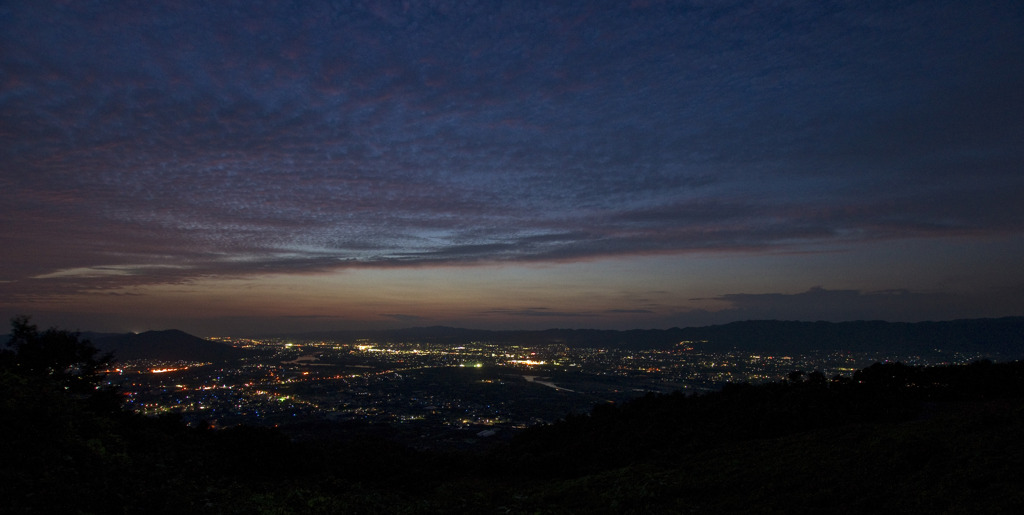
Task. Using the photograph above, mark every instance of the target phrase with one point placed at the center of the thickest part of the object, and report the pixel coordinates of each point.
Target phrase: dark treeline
(665, 428)
(891, 438)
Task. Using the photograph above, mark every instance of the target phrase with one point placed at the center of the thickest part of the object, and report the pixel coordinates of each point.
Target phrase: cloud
(402, 317)
(538, 312)
(223, 142)
(314, 317)
(105, 271)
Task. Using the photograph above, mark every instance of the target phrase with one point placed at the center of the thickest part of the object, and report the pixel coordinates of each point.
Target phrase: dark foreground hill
(169, 345)
(891, 439)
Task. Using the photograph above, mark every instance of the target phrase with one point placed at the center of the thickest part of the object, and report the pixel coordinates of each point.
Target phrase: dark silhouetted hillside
(893, 439)
(169, 345)
(890, 439)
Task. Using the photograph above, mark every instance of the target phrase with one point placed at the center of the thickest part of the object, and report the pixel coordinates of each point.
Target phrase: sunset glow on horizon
(243, 168)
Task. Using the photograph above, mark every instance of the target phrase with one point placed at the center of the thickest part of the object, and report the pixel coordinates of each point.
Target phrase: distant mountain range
(1003, 336)
(999, 335)
(169, 345)
(987, 336)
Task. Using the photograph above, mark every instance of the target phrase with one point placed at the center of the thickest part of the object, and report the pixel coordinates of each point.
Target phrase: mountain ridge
(164, 345)
(1003, 335)
(988, 336)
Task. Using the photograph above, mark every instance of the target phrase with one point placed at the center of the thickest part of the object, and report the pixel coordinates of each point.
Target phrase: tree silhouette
(57, 355)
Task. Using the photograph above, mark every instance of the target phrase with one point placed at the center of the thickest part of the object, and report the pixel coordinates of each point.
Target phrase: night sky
(243, 167)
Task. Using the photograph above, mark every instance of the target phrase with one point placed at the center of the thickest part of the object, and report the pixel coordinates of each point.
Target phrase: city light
(430, 385)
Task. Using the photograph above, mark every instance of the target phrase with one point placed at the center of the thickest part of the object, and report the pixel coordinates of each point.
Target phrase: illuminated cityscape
(439, 394)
